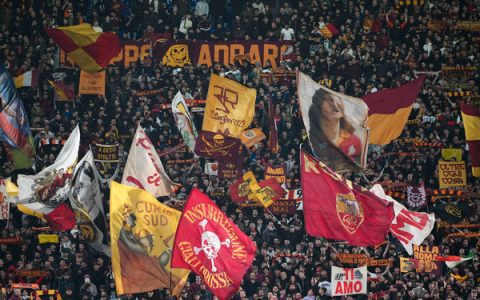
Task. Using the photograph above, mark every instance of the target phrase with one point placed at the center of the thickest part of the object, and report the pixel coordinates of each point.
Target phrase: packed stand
(289, 264)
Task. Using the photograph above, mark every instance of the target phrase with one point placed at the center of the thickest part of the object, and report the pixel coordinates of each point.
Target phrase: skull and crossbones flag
(211, 245)
(218, 147)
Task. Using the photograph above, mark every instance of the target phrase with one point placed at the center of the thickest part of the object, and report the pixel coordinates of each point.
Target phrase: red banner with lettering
(211, 245)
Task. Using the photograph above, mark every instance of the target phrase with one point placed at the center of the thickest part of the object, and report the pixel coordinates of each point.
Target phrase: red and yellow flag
(471, 123)
(91, 50)
(389, 109)
(211, 245)
(329, 30)
(63, 92)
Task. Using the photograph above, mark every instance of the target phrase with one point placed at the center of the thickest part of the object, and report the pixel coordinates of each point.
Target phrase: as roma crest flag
(217, 146)
(142, 233)
(230, 107)
(341, 210)
(211, 245)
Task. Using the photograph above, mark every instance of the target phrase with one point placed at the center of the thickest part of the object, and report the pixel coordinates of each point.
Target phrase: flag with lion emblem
(142, 233)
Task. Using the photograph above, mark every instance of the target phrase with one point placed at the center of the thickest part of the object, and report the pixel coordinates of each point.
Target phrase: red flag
(239, 190)
(273, 136)
(340, 210)
(61, 218)
(211, 245)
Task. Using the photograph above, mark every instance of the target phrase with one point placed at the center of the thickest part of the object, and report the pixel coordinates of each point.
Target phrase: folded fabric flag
(341, 210)
(452, 260)
(471, 122)
(63, 92)
(29, 78)
(90, 50)
(389, 109)
(329, 30)
(61, 218)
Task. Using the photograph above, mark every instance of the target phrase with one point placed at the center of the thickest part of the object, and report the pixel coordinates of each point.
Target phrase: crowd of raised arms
(407, 38)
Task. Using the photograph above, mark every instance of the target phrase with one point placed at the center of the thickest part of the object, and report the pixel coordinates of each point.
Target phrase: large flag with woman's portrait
(335, 125)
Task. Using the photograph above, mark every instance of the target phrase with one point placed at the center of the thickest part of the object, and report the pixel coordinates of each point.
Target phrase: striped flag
(62, 91)
(452, 260)
(471, 123)
(29, 78)
(91, 50)
(389, 109)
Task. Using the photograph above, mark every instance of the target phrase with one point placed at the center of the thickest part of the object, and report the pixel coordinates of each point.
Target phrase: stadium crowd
(359, 60)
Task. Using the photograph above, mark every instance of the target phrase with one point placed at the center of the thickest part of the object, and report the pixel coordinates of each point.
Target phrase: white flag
(349, 281)
(211, 168)
(86, 200)
(50, 187)
(184, 121)
(144, 168)
(409, 227)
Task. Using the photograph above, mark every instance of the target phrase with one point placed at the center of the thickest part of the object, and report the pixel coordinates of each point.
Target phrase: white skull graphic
(210, 244)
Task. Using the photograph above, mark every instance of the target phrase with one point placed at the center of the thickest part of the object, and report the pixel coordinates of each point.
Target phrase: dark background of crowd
(353, 62)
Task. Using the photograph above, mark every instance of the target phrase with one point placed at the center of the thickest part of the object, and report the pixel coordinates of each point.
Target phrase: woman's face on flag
(331, 108)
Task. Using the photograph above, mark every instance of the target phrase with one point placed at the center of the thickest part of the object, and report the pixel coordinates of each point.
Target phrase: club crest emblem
(349, 212)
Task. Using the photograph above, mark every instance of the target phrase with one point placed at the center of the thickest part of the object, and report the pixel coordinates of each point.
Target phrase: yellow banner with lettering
(452, 174)
(229, 108)
(142, 234)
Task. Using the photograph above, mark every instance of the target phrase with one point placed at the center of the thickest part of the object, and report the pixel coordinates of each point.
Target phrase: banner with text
(92, 83)
(349, 281)
(452, 174)
(181, 53)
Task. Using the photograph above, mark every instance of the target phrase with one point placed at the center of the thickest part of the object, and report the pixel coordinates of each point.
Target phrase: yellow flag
(48, 238)
(406, 265)
(449, 154)
(142, 234)
(229, 108)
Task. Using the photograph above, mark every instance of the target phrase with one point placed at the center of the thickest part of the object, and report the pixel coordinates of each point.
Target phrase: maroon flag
(276, 172)
(211, 245)
(273, 135)
(218, 146)
(61, 218)
(416, 196)
(341, 210)
(284, 207)
(229, 171)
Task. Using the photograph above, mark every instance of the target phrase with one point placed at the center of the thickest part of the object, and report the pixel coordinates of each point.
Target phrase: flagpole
(276, 219)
